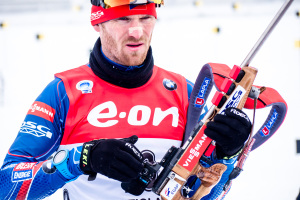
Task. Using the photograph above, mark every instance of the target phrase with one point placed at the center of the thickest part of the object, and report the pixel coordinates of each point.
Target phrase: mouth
(134, 46)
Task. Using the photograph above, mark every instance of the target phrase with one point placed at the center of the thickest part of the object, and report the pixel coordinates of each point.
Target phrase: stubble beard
(119, 55)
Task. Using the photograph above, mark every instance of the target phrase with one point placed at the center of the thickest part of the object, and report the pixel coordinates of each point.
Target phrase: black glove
(116, 159)
(230, 131)
(135, 187)
(138, 185)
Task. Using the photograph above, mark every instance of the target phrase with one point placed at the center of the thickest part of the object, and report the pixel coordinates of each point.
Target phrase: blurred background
(41, 37)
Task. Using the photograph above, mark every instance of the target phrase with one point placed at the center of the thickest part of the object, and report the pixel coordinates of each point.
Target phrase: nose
(135, 31)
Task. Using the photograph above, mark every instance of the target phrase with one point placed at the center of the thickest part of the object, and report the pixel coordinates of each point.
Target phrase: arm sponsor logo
(24, 166)
(22, 171)
(42, 110)
(35, 129)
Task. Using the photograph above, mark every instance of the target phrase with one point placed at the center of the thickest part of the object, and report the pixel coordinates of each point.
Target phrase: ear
(96, 27)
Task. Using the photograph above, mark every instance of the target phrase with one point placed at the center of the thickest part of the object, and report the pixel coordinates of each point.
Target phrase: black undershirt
(128, 79)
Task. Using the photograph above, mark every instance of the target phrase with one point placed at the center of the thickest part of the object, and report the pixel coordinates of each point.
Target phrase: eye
(124, 19)
(148, 17)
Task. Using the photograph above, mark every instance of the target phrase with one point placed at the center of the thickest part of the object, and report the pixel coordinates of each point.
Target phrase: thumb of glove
(129, 144)
(132, 139)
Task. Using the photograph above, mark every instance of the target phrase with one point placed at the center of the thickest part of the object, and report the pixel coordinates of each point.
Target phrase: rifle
(180, 170)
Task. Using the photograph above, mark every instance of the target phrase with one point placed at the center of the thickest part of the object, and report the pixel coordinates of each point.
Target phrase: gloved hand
(116, 159)
(135, 187)
(230, 131)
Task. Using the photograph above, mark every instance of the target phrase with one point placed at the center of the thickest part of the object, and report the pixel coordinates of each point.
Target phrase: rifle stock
(188, 163)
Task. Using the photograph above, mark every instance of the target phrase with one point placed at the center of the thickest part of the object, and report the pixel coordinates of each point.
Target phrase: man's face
(126, 40)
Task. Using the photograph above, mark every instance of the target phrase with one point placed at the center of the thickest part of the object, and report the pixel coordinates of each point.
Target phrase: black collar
(127, 79)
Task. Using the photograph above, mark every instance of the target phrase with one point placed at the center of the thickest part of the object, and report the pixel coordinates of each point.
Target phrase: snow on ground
(183, 42)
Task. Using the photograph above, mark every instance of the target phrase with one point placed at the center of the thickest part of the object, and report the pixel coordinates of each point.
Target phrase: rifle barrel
(266, 33)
